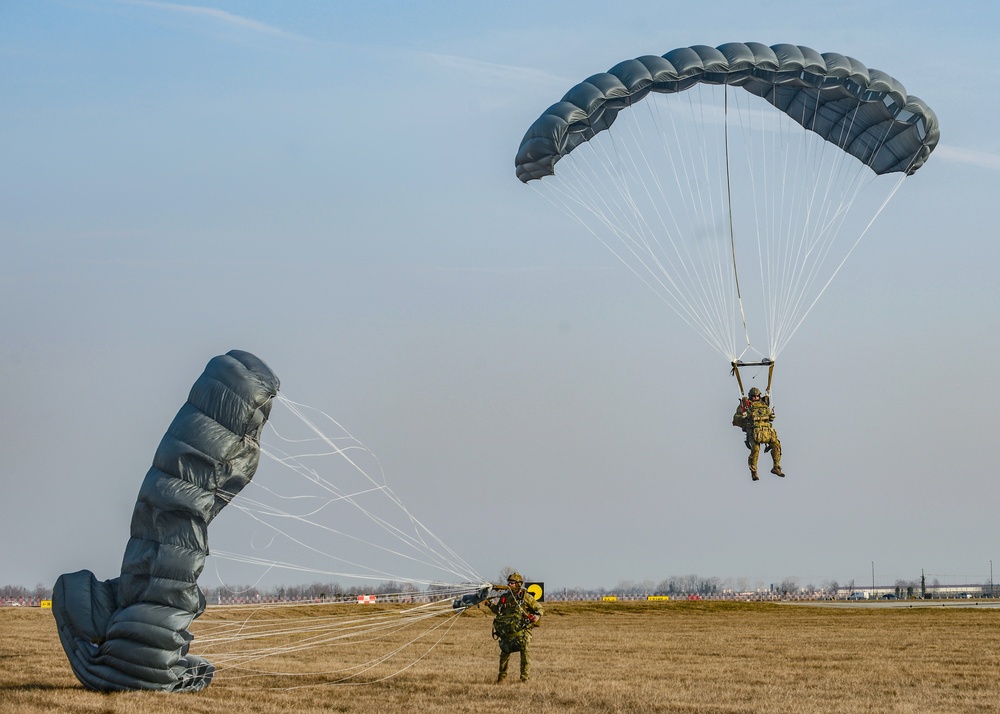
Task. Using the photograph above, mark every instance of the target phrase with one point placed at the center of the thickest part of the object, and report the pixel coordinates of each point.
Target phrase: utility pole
(873, 578)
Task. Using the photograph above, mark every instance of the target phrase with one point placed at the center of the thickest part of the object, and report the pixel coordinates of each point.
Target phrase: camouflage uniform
(754, 416)
(516, 612)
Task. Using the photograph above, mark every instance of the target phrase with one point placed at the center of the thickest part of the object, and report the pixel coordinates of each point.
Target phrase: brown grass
(593, 657)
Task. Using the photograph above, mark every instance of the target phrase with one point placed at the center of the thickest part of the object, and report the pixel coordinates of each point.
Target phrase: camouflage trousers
(508, 645)
(755, 452)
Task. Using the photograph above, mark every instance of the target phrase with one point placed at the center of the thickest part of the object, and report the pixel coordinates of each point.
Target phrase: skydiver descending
(754, 417)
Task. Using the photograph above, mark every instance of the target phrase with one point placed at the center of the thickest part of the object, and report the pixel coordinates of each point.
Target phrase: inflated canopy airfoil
(734, 181)
(865, 112)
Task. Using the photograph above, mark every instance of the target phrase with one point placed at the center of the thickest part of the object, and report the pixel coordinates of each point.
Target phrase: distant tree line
(313, 591)
(40, 591)
(673, 586)
(683, 585)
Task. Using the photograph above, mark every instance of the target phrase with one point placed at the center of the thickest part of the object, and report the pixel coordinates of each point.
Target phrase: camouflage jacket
(512, 610)
(755, 419)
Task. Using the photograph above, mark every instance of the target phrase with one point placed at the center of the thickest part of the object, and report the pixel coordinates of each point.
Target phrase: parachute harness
(517, 624)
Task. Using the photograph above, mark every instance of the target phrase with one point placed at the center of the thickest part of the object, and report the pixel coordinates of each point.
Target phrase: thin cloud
(506, 72)
(968, 156)
(220, 16)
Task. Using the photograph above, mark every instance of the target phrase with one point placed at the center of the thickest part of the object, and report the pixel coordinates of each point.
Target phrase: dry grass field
(690, 657)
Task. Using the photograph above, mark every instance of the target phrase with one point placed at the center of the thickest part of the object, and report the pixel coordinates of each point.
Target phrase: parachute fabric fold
(131, 632)
(865, 112)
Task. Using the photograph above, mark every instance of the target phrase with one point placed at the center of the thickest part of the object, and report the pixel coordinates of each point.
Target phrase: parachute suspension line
(764, 215)
(317, 630)
(846, 176)
(809, 187)
(701, 249)
(417, 538)
(565, 200)
(388, 641)
(422, 552)
(679, 259)
(840, 265)
(450, 622)
(701, 265)
(767, 206)
(638, 210)
(782, 267)
(363, 572)
(357, 625)
(659, 209)
(729, 202)
(785, 268)
(584, 195)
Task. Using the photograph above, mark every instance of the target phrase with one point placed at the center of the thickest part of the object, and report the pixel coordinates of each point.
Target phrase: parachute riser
(736, 364)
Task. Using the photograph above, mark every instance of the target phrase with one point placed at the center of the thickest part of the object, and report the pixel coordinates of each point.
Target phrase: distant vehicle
(890, 596)
(858, 596)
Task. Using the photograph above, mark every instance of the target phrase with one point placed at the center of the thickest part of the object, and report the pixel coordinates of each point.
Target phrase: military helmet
(515, 578)
(754, 393)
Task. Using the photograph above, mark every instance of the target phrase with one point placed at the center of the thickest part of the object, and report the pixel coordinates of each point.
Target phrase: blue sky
(330, 185)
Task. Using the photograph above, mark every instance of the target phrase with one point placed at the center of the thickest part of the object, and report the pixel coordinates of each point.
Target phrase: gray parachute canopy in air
(863, 111)
(131, 632)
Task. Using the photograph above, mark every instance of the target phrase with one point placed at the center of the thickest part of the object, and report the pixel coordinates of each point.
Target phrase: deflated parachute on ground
(131, 632)
(865, 112)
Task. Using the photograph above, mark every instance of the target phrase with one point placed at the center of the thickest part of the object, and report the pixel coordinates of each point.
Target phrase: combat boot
(777, 471)
(753, 475)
